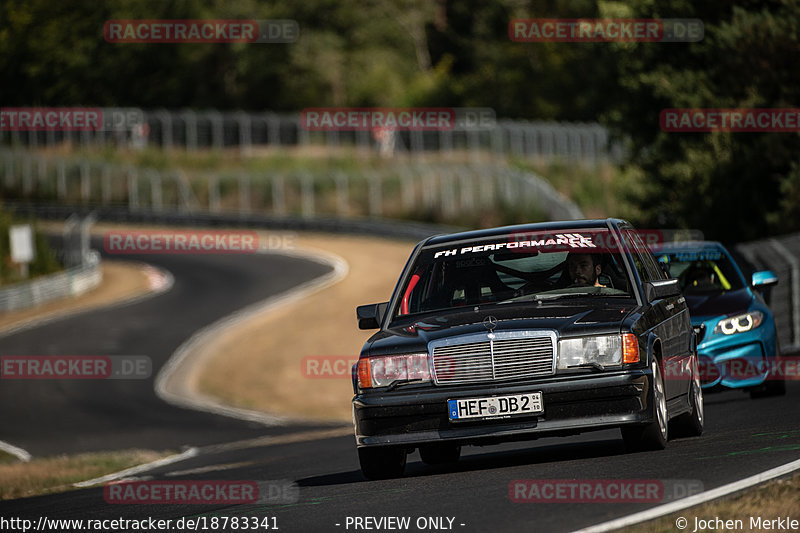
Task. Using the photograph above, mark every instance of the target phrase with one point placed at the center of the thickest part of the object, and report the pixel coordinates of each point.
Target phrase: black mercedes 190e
(521, 332)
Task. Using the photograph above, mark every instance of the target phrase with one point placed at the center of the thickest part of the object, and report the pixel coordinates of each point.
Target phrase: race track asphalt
(68, 416)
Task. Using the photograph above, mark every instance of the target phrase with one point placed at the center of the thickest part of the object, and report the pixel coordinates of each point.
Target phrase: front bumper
(741, 360)
(735, 361)
(572, 404)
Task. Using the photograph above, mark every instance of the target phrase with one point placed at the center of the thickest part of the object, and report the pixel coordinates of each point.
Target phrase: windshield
(702, 270)
(514, 269)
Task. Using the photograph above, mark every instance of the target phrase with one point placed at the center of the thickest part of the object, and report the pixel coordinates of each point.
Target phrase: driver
(584, 270)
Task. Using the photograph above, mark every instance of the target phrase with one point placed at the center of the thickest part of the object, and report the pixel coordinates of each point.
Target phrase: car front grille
(494, 357)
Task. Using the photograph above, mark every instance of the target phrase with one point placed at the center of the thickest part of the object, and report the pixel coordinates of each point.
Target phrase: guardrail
(70, 282)
(782, 256)
(574, 142)
(390, 190)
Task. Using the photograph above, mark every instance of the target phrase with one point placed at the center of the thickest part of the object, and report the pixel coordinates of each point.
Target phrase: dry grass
(775, 499)
(57, 474)
(258, 364)
(121, 280)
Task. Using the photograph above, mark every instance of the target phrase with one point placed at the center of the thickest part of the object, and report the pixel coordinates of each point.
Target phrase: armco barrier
(70, 282)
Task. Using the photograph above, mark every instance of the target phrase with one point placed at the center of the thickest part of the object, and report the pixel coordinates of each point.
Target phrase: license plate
(496, 406)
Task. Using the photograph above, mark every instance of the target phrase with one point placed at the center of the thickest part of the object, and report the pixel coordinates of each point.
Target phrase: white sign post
(22, 249)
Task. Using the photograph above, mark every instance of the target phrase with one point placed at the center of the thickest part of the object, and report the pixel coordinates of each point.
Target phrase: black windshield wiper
(544, 297)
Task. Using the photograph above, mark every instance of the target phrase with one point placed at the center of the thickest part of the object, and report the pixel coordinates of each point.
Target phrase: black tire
(652, 436)
(691, 424)
(439, 454)
(382, 463)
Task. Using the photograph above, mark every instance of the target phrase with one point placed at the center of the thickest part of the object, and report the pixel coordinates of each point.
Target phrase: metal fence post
(156, 194)
(213, 194)
(342, 193)
(61, 180)
(307, 194)
(106, 184)
(8, 179)
(165, 118)
(27, 175)
(190, 129)
(133, 189)
(375, 194)
(278, 195)
(245, 133)
(86, 184)
(42, 175)
(244, 193)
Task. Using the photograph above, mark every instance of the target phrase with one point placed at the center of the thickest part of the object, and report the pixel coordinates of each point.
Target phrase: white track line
(172, 383)
(691, 501)
(191, 452)
(17, 452)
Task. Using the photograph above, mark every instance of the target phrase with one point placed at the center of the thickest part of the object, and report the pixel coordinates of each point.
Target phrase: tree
(733, 186)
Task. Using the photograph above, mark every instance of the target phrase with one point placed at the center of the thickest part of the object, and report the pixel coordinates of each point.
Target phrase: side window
(657, 272)
(642, 257)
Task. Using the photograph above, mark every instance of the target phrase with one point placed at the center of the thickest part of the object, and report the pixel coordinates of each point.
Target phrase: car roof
(562, 225)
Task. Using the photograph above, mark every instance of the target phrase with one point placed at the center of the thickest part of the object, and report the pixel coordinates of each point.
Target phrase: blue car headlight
(739, 323)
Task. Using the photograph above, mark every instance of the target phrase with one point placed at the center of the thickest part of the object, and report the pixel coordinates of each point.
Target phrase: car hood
(718, 303)
(414, 335)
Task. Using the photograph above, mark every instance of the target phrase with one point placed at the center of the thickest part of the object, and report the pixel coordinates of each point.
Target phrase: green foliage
(733, 186)
(458, 53)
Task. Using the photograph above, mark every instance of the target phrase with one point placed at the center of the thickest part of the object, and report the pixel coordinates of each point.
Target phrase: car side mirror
(763, 278)
(655, 290)
(370, 316)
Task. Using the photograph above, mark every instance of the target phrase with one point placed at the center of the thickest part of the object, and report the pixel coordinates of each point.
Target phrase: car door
(672, 324)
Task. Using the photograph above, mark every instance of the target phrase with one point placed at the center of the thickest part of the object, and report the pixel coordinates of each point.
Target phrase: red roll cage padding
(407, 295)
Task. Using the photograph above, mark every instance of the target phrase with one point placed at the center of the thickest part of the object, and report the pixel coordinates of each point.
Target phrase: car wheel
(652, 436)
(439, 454)
(382, 463)
(691, 424)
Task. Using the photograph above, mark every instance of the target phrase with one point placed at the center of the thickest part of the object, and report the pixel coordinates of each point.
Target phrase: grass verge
(775, 499)
(259, 364)
(48, 475)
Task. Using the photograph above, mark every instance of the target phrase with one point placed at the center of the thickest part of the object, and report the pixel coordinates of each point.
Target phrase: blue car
(735, 330)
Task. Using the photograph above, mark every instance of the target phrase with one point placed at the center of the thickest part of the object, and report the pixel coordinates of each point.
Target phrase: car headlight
(739, 323)
(600, 351)
(382, 371)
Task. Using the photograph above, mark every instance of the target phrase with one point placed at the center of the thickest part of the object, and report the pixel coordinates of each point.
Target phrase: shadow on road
(487, 461)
